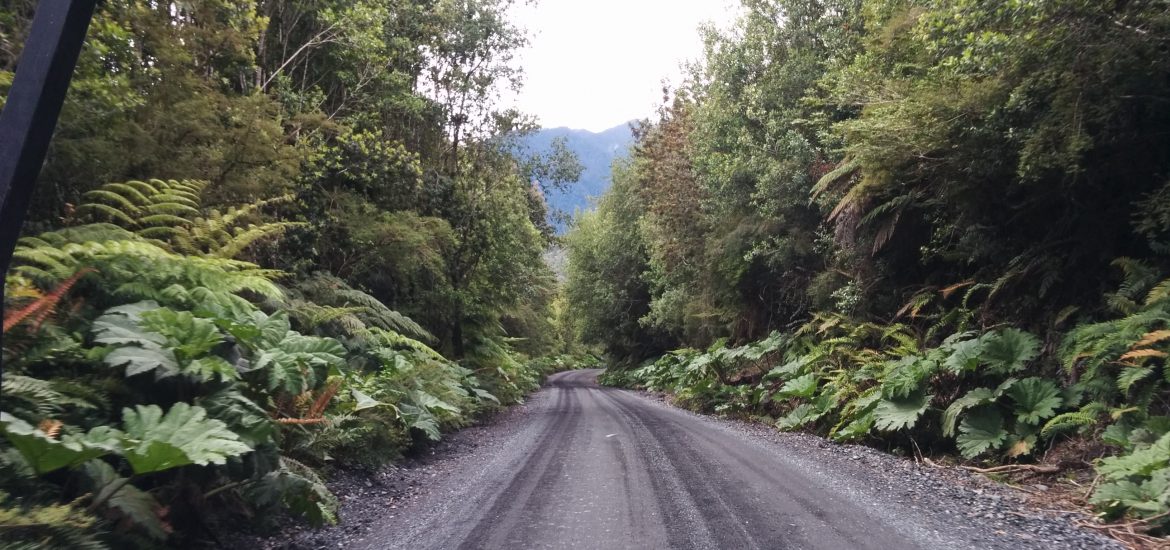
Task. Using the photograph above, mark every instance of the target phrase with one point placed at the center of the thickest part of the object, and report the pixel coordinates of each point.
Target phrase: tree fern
(323, 293)
(134, 268)
(41, 398)
(134, 204)
(171, 214)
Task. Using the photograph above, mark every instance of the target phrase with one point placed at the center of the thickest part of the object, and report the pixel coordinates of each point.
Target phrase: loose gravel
(986, 514)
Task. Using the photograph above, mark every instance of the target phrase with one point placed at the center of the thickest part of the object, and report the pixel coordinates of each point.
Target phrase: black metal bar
(32, 107)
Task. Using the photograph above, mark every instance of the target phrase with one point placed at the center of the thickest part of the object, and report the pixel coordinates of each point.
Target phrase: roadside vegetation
(272, 238)
(938, 226)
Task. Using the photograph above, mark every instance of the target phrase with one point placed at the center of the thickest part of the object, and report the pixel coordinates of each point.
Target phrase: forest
(939, 227)
(272, 238)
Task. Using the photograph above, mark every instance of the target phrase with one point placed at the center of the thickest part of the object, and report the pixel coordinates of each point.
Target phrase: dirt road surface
(596, 467)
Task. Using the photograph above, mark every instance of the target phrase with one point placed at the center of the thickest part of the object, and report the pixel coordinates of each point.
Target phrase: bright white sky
(595, 64)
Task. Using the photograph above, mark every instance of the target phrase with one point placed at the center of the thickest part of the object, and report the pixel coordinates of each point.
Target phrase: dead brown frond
(40, 309)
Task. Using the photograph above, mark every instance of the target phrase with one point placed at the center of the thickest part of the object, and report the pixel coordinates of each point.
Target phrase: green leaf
(259, 330)
(799, 416)
(297, 487)
(130, 502)
(156, 442)
(1067, 421)
(208, 368)
(907, 376)
(1009, 350)
(364, 401)
(1035, 399)
(421, 419)
(241, 415)
(186, 335)
(1132, 375)
(981, 431)
(162, 341)
(964, 356)
(119, 325)
(1141, 462)
(1147, 498)
(140, 360)
(485, 395)
(975, 397)
(902, 413)
(294, 364)
(859, 427)
(789, 369)
(432, 403)
(801, 386)
(45, 454)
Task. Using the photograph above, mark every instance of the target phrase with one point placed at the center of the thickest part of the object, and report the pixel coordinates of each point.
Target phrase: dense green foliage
(339, 262)
(935, 223)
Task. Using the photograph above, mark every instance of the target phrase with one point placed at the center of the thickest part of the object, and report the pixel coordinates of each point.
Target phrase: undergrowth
(149, 378)
(993, 395)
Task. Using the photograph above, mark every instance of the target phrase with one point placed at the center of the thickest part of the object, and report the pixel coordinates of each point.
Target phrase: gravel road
(583, 466)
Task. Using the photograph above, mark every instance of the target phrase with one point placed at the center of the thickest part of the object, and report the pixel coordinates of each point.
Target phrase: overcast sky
(595, 64)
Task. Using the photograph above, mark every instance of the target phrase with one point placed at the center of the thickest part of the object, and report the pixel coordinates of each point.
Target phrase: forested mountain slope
(935, 225)
(596, 152)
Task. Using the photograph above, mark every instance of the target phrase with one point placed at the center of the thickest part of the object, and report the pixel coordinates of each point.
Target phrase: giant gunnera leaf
(184, 435)
(1035, 399)
(1008, 350)
(149, 338)
(801, 386)
(981, 431)
(46, 454)
(900, 413)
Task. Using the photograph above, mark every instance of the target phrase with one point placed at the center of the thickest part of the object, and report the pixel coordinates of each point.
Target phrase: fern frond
(163, 219)
(171, 208)
(109, 212)
(116, 199)
(843, 170)
(251, 235)
(43, 307)
(1159, 292)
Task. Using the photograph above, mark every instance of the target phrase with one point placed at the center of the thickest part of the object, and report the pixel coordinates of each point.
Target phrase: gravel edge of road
(944, 492)
(369, 496)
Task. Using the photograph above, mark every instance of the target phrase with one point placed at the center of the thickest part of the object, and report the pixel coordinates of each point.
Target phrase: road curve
(596, 467)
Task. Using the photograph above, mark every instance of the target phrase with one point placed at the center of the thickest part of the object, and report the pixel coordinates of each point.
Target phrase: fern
(326, 291)
(299, 489)
(134, 268)
(133, 203)
(170, 213)
(34, 398)
(1067, 421)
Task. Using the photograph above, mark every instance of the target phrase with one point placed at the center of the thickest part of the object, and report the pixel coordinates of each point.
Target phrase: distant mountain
(595, 150)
